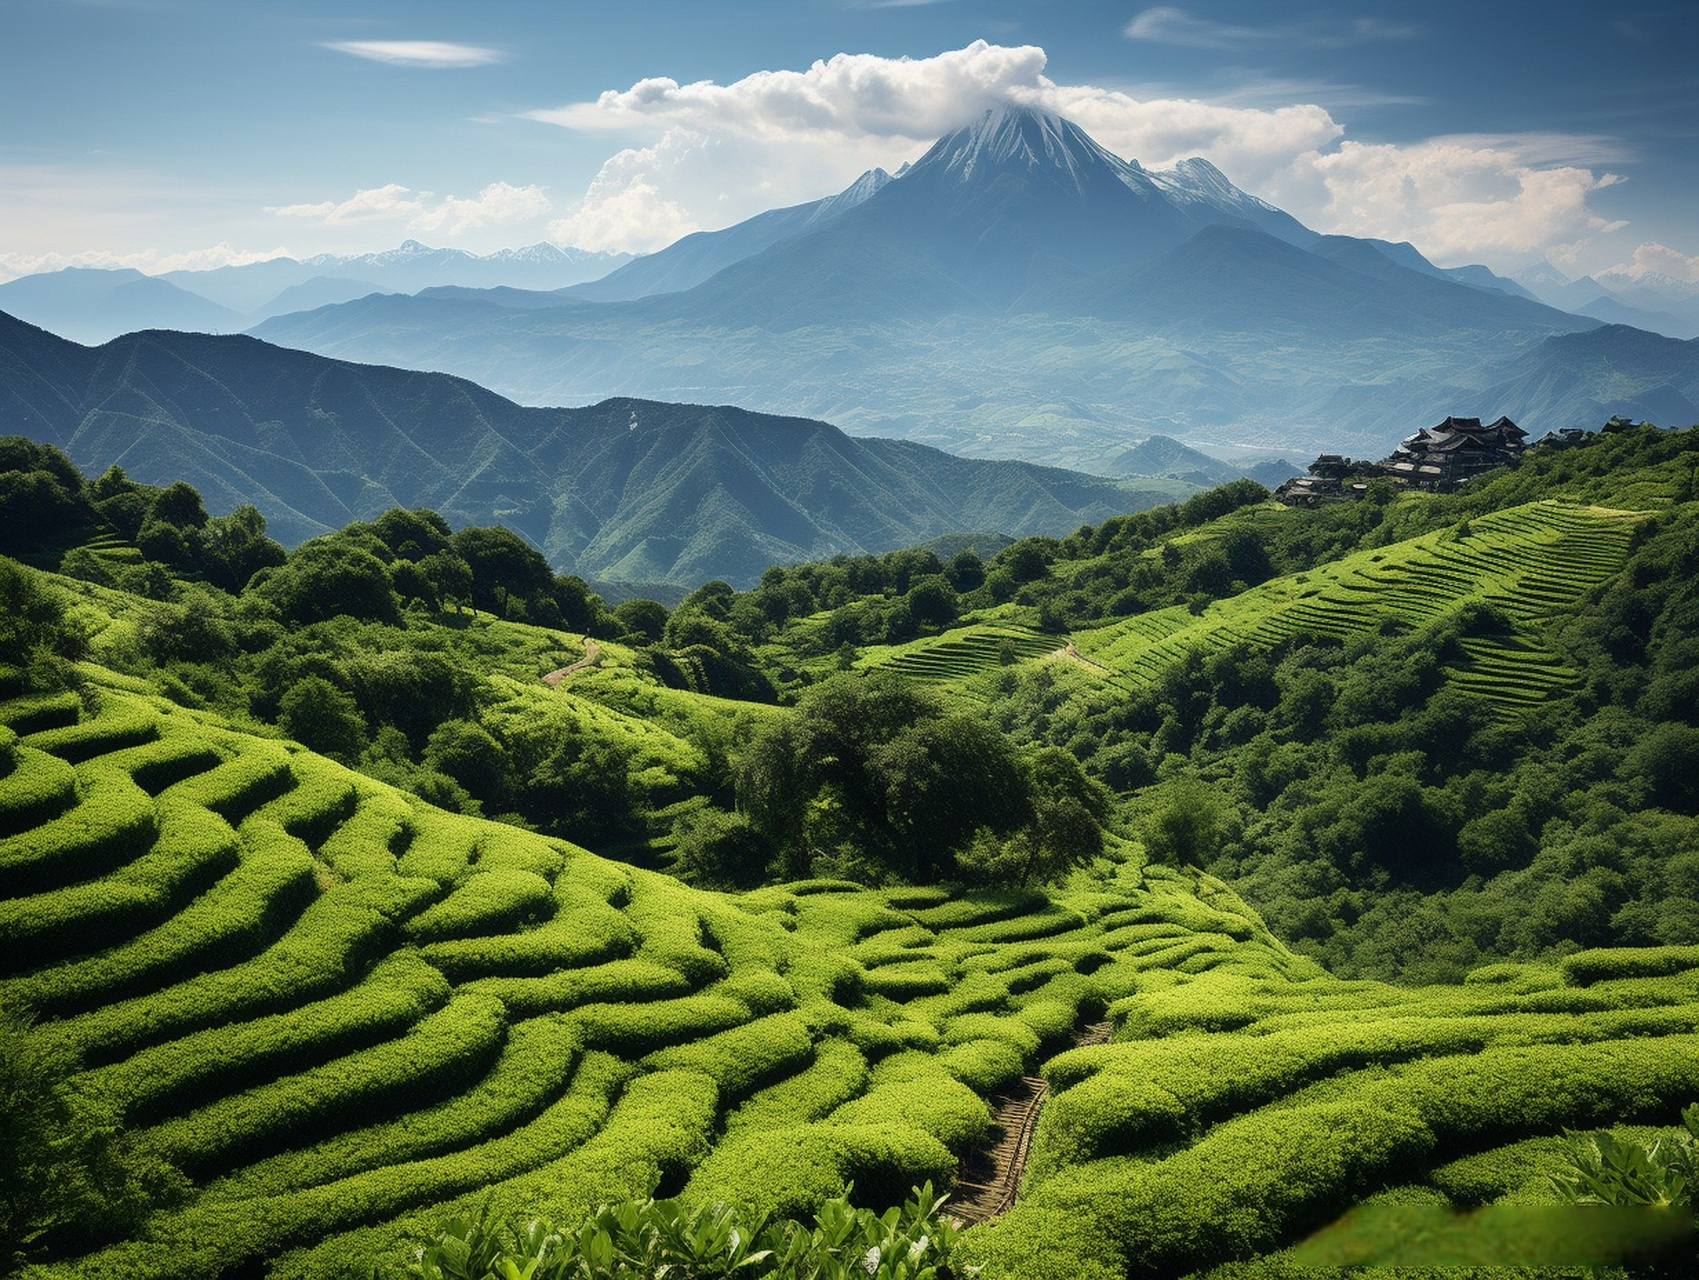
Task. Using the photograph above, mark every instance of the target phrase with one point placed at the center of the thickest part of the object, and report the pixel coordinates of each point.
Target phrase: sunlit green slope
(1533, 562)
(343, 1014)
(331, 1006)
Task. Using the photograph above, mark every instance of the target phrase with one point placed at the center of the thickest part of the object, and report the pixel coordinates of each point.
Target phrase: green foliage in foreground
(1604, 1169)
(644, 1239)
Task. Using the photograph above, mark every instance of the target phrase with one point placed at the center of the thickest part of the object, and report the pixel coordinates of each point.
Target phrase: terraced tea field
(345, 1015)
(1533, 562)
(965, 651)
(1236, 1112)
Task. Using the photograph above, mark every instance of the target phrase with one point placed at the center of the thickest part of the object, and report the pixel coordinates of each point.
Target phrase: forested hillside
(396, 880)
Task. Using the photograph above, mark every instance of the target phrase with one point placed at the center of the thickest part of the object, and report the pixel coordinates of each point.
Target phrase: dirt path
(592, 654)
(989, 1178)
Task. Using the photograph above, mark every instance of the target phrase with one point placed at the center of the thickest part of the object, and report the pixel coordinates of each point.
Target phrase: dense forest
(1224, 750)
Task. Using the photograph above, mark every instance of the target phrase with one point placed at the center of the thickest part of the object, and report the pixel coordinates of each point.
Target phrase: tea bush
(487, 902)
(229, 1057)
(602, 985)
(111, 823)
(442, 1054)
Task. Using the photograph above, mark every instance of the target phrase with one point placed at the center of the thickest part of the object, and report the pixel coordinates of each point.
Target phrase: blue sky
(161, 133)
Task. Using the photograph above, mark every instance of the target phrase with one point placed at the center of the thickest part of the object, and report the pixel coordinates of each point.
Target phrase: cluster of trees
(46, 505)
(874, 779)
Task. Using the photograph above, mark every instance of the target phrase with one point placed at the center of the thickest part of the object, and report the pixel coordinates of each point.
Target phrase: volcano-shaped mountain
(1018, 291)
(627, 489)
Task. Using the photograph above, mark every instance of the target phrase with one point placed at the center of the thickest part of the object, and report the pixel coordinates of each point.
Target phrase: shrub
(914, 1089)
(38, 787)
(1603, 1169)
(119, 724)
(238, 787)
(984, 1065)
(1587, 967)
(536, 1067)
(437, 1057)
(157, 1081)
(908, 981)
(633, 1029)
(656, 1238)
(194, 849)
(790, 1171)
(332, 938)
(614, 982)
(489, 902)
(742, 1059)
(226, 1228)
(112, 823)
(837, 1074)
(575, 940)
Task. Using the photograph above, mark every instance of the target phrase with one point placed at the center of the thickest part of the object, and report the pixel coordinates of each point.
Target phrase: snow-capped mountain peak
(1010, 136)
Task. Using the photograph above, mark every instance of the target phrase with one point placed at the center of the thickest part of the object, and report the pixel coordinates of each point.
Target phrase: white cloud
(1455, 202)
(418, 53)
(498, 202)
(714, 154)
(846, 96)
(389, 201)
(451, 215)
(1654, 259)
(1168, 25)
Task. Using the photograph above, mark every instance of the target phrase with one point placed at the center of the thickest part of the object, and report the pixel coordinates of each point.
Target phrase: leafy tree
(1065, 830)
(643, 619)
(1184, 827)
(322, 717)
(412, 690)
(966, 572)
(932, 602)
(413, 535)
(571, 784)
(873, 772)
(179, 505)
(194, 628)
(468, 753)
(35, 633)
(235, 547)
(328, 577)
(720, 850)
(504, 566)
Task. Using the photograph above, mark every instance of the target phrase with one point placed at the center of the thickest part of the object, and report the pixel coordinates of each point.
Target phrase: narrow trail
(592, 654)
(989, 1177)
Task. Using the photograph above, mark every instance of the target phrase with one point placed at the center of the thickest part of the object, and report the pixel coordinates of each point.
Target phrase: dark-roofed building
(1443, 457)
(1331, 477)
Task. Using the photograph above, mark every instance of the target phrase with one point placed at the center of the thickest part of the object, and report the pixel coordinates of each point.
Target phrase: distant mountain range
(1017, 292)
(94, 304)
(626, 490)
(1021, 292)
(1659, 304)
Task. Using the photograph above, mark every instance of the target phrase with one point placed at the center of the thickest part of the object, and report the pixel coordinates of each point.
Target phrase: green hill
(624, 490)
(292, 1017)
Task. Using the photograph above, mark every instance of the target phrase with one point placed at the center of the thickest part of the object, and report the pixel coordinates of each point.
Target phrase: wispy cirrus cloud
(450, 215)
(1169, 24)
(432, 54)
